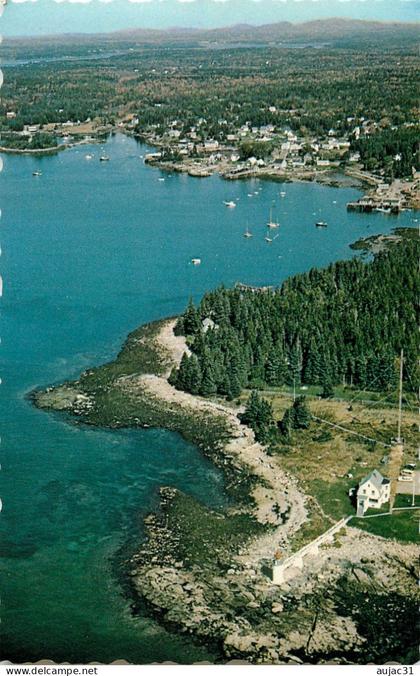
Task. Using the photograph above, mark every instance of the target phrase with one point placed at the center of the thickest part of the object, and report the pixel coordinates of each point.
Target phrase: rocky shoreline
(207, 573)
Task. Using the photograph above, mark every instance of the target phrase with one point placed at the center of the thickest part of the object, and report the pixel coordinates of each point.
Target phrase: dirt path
(277, 494)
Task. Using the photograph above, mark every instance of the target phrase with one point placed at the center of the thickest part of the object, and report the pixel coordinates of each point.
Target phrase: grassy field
(347, 394)
(329, 462)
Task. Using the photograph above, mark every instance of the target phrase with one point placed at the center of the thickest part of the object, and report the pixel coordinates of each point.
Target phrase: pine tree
(208, 384)
(258, 415)
(327, 390)
(286, 423)
(182, 374)
(301, 414)
(191, 320)
(194, 375)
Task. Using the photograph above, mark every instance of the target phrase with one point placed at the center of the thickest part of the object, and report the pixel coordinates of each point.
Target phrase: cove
(90, 251)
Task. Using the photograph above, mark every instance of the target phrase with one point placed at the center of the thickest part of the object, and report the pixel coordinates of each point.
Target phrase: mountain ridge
(320, 29)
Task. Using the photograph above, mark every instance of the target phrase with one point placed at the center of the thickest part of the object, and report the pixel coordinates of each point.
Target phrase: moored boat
(271, 223)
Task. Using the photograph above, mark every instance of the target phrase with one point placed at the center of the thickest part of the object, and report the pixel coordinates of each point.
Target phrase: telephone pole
(399, 439)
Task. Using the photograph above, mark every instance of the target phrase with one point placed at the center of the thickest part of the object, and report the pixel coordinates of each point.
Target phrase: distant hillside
(334, 32)
(326, 29)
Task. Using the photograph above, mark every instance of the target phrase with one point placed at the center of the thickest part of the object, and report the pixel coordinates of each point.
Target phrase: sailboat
(247, 234)
(271, 223)
(268, 239)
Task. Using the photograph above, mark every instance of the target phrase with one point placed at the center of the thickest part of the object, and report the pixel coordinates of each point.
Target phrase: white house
(373, 491)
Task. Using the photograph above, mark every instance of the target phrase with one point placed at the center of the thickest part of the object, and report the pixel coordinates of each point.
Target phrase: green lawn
(402, 526)
(384, 509)
(406, 500)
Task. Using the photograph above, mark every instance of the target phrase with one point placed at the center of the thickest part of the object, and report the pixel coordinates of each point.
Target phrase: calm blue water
(90, 251)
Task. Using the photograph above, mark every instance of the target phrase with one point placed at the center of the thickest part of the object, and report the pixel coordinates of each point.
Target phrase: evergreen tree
(208, 382)
(327, 390)
(191, 320)
(286, 423)
(258, 415)
(301, 413)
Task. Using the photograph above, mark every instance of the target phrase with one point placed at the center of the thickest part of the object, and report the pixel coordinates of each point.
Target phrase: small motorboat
(196, 261)
(37, 173)
(321, 224)
(104, 158)
(230, 205)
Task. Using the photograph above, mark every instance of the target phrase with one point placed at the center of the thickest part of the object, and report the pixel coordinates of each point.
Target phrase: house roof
(375, 478)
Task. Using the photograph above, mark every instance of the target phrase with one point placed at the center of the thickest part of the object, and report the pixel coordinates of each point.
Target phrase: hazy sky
(37, 17)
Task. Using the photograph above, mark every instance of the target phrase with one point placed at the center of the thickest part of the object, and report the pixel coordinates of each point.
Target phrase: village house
(323, 163)
(373, 492)
(31, 128)
(211, 145)
(10, 115)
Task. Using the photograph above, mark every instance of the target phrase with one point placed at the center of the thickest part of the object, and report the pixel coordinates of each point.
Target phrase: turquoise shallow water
(90, 251)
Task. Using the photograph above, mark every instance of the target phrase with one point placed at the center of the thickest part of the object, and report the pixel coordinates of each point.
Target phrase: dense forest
(396, 150)
(311, 90)
(347, 322)
(38, 140)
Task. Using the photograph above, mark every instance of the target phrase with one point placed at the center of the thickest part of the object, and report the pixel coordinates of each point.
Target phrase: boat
(104, 158)
(196, 261)
(271, 223)
(247, 234)
(88, 157)
(321, 224)
(37, 173)
(161, 179)
(382, 210)
(230, 205)
(282, 194)
(269, 239)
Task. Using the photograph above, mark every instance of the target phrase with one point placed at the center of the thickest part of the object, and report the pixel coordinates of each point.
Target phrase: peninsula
(290, 464)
